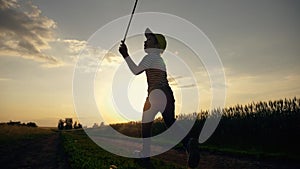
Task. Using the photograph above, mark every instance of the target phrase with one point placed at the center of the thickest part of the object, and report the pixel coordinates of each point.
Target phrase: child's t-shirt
(155, 68)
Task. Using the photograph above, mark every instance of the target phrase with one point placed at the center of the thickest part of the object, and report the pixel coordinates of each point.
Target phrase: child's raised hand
(123, 50)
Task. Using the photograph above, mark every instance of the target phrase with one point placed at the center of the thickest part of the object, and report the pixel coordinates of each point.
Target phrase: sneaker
(194, 154)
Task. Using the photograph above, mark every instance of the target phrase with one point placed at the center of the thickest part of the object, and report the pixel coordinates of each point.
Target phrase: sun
(137, 92)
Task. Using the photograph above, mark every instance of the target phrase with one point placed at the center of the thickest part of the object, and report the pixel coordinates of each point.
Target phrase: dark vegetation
(83, 153)
(30, 147)
(18, 123)
(67, 124)
(261, 129)
(12, 136)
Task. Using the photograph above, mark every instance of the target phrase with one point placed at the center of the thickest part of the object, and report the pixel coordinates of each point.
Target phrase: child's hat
(161, 40)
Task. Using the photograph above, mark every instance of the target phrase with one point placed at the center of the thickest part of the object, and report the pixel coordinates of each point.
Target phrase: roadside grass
(83, 153)
(10, 134)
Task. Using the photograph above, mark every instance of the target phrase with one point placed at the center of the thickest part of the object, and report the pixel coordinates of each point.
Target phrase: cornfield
(272, 126)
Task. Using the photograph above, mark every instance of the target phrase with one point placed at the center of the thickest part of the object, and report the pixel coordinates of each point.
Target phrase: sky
(40, 42)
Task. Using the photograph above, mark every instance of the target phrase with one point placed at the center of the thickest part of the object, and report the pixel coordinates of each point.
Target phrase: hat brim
(148, 33)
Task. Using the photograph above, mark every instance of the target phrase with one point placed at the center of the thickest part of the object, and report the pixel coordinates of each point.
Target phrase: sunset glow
(40, 42)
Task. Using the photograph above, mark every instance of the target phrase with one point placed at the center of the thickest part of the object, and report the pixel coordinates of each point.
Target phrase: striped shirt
(155, 69)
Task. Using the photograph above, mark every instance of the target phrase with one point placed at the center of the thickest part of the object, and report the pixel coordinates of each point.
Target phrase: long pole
(123, 41)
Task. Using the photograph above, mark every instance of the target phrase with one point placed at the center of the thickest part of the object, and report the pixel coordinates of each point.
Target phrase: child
(160, 95)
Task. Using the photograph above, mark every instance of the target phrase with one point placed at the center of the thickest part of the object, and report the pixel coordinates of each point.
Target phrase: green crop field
(83, 153)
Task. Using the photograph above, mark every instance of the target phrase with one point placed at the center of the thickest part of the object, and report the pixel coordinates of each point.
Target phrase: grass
(83, 153)
(9, 134)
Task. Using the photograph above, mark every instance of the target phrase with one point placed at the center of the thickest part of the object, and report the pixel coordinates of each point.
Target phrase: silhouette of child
(160, 95)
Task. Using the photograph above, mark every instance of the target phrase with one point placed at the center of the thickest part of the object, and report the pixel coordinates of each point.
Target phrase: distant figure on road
(160, 95)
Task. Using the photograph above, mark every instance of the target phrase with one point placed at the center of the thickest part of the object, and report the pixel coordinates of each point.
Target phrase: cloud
(74, 46)
(181, 82)
(69, 49)
(90, 59)
(172, 80)
(111, 58)
(26, 33)
(8, 4)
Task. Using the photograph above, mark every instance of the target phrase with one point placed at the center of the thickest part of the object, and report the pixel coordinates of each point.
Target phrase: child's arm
(132, 66)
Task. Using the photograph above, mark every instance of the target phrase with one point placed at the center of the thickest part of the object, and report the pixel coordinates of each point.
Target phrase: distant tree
(69, 123)
(14, 123)
(31, 124)
(79, 126)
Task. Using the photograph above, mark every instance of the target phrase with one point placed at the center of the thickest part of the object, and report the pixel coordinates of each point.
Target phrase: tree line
(18, 123)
